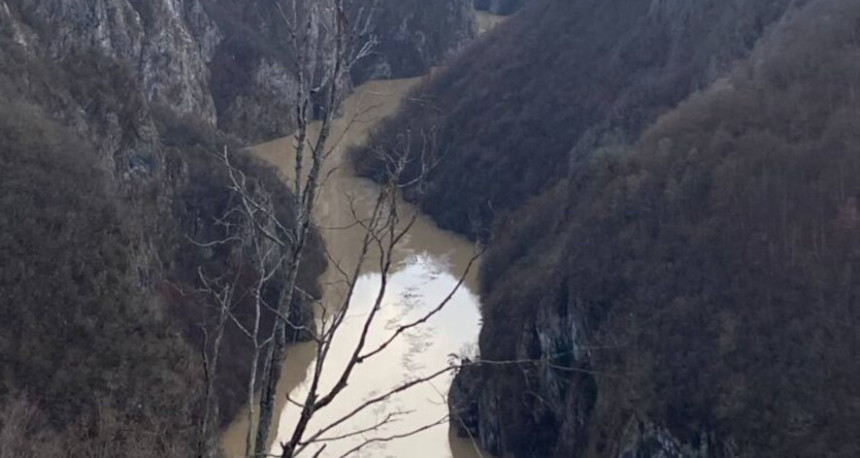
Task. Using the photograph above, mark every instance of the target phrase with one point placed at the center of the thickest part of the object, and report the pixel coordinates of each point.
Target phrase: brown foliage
(556, 80)
(202, 211)
(714, 262)
(78, 336)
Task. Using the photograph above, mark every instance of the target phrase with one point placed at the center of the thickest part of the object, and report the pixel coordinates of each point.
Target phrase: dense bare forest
(562, 76)
(81, 345)
(668, 193)
(735, 216)
(110, 116)
(672, 230)
(500, 6)
(98, 342)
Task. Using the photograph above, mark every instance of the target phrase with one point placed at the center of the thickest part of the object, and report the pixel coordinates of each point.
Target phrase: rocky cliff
(409, 39)
(226, 62)
(252, 80)
(671, 271)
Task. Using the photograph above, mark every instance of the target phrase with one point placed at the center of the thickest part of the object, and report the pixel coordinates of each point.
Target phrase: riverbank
(488, 21)
(428, 265)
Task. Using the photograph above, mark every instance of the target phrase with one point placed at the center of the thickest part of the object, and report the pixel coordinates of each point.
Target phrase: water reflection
(420, 282)
(427, 267)
(488, 22)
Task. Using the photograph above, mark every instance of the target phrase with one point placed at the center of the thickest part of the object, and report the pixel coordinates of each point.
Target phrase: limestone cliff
(408, 37)
(227, 62)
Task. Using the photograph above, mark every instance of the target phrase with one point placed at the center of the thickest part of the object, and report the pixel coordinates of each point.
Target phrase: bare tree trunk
(276, 356)
(255, 339)
(305, 194)
(382, 231)
(205, 448)
(252, 384)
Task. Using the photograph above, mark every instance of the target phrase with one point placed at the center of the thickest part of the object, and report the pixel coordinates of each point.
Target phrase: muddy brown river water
(428, 266)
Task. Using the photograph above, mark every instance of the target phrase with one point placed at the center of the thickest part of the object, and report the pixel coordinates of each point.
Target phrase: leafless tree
(327, 38)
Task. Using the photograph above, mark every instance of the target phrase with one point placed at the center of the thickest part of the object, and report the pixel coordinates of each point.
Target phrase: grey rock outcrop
(643, 439)
(167, 45)
(224, 62)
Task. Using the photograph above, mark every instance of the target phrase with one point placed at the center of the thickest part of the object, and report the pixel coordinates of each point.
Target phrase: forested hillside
(81, 344)
(726, 242)
(102, 325)
(559, 76)
(111, 115)
(673, 194)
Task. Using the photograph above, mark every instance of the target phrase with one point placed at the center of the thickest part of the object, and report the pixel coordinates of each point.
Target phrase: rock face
(166, 44)
(228, 62)
(409, 41)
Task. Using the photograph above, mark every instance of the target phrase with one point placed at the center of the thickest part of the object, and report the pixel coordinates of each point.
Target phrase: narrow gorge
(632, 228)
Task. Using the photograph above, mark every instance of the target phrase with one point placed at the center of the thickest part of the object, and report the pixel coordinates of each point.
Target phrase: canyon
(666, 192)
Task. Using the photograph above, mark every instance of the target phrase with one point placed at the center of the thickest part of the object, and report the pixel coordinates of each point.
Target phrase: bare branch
(393, 437)
(389, 419)
(401, 329)
(378, 399)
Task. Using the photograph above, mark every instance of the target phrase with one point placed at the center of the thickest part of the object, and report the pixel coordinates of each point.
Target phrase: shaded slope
(79, 339)
(101, 332)
(561, 74)
(696, 289)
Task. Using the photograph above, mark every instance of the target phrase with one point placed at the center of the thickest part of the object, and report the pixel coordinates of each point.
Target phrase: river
(488, 21)
(429, 263)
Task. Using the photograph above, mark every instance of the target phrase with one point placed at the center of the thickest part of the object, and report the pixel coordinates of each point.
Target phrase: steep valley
(665, 193)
